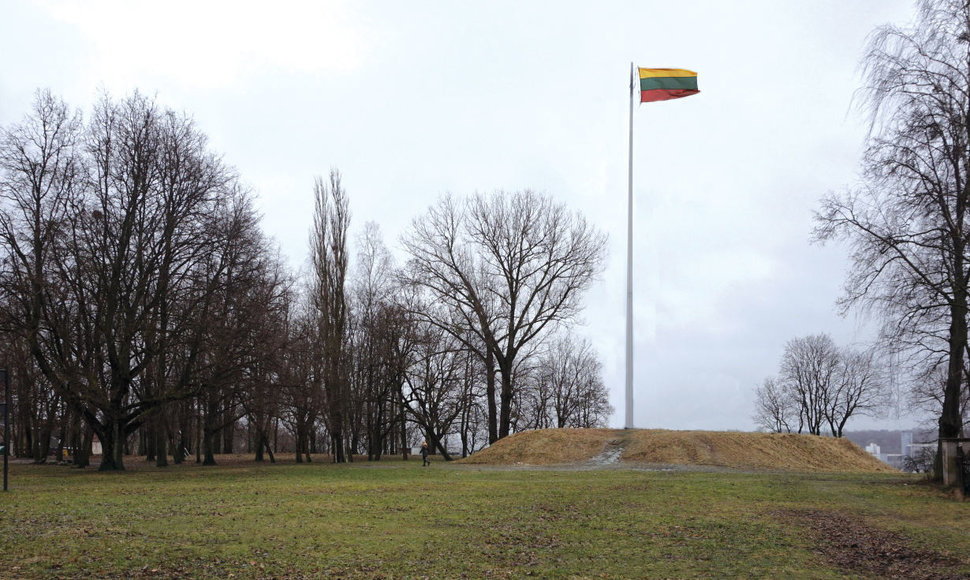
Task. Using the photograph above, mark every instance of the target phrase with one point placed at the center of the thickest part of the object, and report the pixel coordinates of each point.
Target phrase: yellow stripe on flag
(646, 73)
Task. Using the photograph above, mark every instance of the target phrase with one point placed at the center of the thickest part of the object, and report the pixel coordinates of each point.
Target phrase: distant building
(916, 456)
(903, 450)
(905, 441)
(893, 459)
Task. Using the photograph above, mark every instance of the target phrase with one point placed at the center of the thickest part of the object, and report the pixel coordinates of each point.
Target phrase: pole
(629, 269)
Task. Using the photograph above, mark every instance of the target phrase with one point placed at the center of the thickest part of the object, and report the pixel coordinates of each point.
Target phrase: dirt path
(611, 453)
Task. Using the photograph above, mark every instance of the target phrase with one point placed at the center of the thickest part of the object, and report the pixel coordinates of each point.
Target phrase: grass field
(397, 519)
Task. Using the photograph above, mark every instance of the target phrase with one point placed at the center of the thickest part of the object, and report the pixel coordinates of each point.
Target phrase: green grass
(395, 519)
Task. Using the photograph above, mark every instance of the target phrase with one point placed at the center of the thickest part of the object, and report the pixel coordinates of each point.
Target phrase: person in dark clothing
(424, 454)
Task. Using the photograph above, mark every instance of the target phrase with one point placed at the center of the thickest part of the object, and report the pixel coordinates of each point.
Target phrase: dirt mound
(544, 447)
(771, 451)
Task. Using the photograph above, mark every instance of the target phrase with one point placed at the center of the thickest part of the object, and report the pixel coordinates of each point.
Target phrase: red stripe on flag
(654, 95)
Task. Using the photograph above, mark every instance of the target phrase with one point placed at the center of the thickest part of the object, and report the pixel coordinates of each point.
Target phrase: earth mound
(733, 450)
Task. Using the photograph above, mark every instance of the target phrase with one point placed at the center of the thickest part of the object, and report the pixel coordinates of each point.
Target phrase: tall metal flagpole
(629, 269)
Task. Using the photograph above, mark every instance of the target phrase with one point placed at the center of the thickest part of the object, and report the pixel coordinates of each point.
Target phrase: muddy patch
(852, 545)
(610, 455)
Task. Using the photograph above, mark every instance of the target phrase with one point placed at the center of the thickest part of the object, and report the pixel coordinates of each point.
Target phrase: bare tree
(776, 411)
(579, 394)
(820, 384)
(860, 389)
(908, 222)
(40, 171)
(921, 461)
(926, 395)
(328, 254)
(302, 399)
(809, 370)
(473, 420)
(379, 327)
(118, 232)
(265, 300)
(435, 384)
(566, 386)
(241, 334)
(136, 290)
(511, 266)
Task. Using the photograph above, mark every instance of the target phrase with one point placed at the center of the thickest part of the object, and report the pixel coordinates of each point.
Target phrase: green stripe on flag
(654, 83)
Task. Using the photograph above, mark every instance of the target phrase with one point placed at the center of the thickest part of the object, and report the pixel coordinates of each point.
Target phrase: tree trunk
(113, 447)
(82, 453)
(161, 441)
(181, 450)
(505, 412)
(951, 423)
(210, 438)
(493, 435)
(269, 450)
(228, 436)
(463, 427)
(405, 448)
(437, 445)
(337, 448)
(300, 440)
(262, 442)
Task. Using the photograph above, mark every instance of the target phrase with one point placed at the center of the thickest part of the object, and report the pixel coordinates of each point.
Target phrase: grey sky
(414, 99)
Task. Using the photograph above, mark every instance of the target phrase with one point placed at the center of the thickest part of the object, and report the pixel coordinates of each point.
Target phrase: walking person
(424, 454)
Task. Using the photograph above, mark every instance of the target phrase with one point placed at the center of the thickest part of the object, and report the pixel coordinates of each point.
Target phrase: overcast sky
(410, 100)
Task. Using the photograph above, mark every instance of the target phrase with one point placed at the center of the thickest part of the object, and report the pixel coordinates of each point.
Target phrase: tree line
(906, 224)
(819, 387)
(142, 305)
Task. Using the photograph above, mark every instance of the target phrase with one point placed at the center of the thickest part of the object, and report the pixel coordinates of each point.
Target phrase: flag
(661, 84)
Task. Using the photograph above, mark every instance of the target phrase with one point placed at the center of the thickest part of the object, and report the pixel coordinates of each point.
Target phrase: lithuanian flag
(661, 84)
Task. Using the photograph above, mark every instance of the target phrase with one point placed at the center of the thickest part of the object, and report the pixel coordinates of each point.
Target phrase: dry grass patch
(759, 451)
(777, 451)
(545, 447)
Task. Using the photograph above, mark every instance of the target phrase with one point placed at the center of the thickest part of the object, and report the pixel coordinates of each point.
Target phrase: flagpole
(629, 269)
(658, 84)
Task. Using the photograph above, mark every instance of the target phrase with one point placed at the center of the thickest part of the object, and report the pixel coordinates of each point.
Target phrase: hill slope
(772, 451)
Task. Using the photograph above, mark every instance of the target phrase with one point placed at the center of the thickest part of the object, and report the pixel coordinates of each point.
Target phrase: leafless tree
(301, 397)
(820, 384)
(40, 174)
(241, 334)
(267, 301)
(534, 403)
(119, 236)
(566, 386)
(776, 411)
(860, 389)
(328, 254)
(809, 370)
(473, 419)
(907, 223)
(511, 266)
(926, 395)
(921, 461)
(435, 385)
(379, 326)
(579, 395)
(39, 418)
